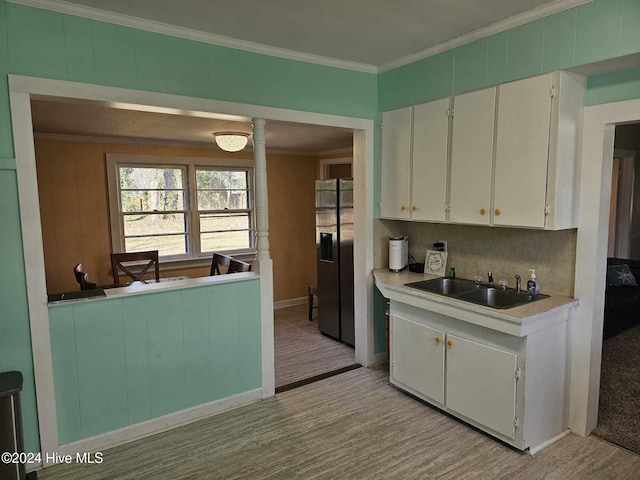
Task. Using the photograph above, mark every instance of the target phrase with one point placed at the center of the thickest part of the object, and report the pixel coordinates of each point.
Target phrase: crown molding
(501, 26)
(61, 6)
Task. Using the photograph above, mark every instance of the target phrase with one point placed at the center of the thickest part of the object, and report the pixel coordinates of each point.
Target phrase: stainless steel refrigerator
(334, 240)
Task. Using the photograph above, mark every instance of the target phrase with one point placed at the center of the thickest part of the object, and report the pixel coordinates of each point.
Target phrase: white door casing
(21, 88)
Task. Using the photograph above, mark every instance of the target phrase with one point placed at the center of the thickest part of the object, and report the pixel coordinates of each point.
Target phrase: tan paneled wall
(291, 186)
(72, 186)
(477, 250)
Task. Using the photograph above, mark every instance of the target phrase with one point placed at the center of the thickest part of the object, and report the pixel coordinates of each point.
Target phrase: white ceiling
(371, 32)
(96, 119)
(368, 35)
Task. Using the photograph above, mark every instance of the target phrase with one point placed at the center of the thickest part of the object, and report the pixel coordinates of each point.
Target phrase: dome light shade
(231, 141)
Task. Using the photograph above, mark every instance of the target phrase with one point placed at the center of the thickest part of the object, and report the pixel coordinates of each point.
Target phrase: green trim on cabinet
(379, 322)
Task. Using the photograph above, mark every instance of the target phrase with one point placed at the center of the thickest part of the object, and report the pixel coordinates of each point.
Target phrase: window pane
(147, 178)
(210, 242)
(149, 201)
(220, 179)
(154, 224)
(166, 244)
(229, 199)
(210, 222)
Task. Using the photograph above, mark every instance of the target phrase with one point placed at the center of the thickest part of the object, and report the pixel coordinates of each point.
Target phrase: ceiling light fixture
(231, 141)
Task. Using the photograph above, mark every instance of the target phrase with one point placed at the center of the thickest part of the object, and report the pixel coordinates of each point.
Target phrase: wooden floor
(350, 426)
(301, 351)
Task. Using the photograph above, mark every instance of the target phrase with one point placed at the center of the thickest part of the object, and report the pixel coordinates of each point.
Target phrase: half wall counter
(146, 357)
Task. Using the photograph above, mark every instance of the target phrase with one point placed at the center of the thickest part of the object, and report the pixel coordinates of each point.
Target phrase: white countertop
(145, 288)
(519, 321)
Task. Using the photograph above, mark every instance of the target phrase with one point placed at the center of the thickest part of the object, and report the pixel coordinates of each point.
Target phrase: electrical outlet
(445, 244)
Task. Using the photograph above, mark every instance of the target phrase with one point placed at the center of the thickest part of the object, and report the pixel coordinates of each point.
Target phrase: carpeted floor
(619, 411)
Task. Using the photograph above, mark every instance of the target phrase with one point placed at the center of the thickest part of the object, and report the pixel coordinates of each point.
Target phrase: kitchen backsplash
(476, 250)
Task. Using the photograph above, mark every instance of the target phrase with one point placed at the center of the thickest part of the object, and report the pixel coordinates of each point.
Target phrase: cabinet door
(481, 384)
(417, 357)
(395, 164)
(522, 149)
(472, 157)
(429, 161)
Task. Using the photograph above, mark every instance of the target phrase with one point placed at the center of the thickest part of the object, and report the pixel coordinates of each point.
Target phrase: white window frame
(190, 164)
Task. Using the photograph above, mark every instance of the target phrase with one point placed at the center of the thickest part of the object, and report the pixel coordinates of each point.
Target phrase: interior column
(264, 264)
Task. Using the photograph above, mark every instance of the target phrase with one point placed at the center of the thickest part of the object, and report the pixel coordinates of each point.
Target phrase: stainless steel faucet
(490, 275)
(518, 283)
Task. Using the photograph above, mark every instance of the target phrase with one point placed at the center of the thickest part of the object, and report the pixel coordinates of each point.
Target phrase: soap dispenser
(532, 283)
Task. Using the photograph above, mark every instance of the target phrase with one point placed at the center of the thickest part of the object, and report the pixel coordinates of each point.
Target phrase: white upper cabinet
(472, 157)
(514, 156)
(429, 168)
(396, 164)
(537, 152)
(414, 162)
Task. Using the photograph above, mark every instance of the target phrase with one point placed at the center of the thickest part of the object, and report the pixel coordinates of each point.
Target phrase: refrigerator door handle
(326, 247)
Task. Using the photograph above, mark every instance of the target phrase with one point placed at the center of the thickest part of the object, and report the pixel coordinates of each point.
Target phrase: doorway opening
(619, 410)
(313, 339)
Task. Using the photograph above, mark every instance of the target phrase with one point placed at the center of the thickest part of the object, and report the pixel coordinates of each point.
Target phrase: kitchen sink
(444, 286)
(468, 291)
(497, 298)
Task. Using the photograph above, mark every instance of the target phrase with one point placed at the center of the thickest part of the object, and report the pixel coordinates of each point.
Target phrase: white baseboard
(290, 303)
(157, 425)
(537, 448)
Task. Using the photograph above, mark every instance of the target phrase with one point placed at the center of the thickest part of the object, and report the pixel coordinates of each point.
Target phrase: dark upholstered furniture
(621, 302)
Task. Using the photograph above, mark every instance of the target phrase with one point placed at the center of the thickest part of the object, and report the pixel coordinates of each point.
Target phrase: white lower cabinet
(488, 377)
(418, 357)
(484, 376)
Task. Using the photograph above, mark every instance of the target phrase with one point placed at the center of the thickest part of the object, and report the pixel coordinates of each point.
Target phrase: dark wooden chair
(83, 278)
(219, 260)
(120, 261)
(237, 266)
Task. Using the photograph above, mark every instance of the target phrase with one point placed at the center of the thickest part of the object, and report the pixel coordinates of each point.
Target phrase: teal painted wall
(614, 87)
(15, 337)
(118, 362)
(595, 31)
(46, 44)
